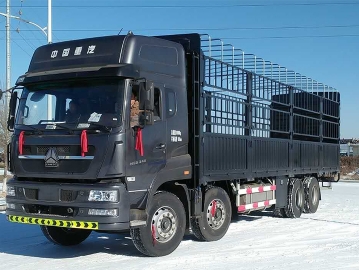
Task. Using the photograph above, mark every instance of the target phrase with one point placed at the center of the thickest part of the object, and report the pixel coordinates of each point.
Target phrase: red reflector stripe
(84, 146)
(255, 205)
(259, 189)
(139, 142)
(21, 142)
(241, 208)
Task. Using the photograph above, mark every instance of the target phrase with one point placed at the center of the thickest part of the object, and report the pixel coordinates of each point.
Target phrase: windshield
(76, 104)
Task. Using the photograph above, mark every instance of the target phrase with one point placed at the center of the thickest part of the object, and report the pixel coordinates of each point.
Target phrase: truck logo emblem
(51, 158)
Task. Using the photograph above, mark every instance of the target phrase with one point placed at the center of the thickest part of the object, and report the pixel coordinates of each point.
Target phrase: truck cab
(74, 154)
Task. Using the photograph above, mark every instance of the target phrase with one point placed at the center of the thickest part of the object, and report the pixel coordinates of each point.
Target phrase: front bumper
(66, 205)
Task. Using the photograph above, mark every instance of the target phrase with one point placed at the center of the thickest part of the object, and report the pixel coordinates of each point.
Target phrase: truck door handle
(161, 146)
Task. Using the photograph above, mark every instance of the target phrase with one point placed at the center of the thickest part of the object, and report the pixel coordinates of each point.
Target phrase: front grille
(68, 195)
(31, 194)
(61, 150)
(60, 211)
(26, 150)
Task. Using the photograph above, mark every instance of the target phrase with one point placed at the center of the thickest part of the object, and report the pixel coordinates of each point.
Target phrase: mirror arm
(140, 80)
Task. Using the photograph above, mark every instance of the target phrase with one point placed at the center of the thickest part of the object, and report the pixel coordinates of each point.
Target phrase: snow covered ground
(328, 239)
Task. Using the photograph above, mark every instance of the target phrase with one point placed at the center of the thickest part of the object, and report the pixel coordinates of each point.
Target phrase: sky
(317, 38)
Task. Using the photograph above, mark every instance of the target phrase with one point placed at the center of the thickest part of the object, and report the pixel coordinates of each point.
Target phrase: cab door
(144, 167)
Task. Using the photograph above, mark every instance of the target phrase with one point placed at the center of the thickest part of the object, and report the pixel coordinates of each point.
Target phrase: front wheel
(65, 236)
(165, 228)
(216, 217)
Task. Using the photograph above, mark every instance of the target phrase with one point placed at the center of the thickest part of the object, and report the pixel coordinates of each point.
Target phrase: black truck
(213, 139)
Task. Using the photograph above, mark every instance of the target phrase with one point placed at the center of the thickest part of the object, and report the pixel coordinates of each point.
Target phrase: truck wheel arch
(175, 187)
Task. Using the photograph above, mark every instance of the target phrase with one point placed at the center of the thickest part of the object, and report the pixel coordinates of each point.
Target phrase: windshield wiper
(104, 127)
(39, 131)
(71, 131)
(56, 124)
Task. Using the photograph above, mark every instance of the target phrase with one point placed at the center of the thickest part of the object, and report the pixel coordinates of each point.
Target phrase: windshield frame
(119, 84)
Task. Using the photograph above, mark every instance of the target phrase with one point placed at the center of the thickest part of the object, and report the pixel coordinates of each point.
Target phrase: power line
(27, 41)
(18, 28)
(209, 29)
(21, 47)
(33, 34)
(198, 6)
(272, 37)
(43, 23)
(293, 37)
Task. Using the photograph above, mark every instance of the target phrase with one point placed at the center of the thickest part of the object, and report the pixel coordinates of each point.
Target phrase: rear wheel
(312, 195)
(65, 236)
(295, 201)
(165, 228)
(216, 216)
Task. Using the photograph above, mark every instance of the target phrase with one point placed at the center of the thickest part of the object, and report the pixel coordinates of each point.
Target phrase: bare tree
(5, 136)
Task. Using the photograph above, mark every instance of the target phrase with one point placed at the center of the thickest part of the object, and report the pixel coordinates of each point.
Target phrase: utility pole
(49, 21)
(7, 27)
(8, 84)
(49, 40)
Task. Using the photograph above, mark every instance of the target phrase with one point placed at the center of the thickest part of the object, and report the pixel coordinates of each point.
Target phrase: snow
(328, 239)
(2, 200)
(2, 172)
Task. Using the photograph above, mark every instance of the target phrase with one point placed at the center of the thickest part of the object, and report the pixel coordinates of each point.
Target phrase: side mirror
(1, 94)
(146, 96)
(146, 118)
(12, 112)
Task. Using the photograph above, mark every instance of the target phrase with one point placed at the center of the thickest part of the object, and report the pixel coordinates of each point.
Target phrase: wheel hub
(164, 224)
(299, 198)
(216, 214)
(315, 195)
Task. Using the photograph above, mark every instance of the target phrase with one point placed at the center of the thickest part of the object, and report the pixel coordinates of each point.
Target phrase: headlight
(103, 212)
(103, 196)
(10, 191)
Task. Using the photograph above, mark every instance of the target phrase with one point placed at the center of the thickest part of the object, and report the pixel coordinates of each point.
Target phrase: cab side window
(158, 105)
(171, 103)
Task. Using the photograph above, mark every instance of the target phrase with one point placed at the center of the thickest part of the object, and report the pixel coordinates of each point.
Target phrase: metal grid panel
(246, 95)
(216, 48)
(224, 113)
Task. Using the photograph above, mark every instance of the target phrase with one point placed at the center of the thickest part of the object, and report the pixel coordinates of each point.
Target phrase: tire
(165, 227)
(295, 201)
(216, 217)
(65, 236)
(312, 195)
